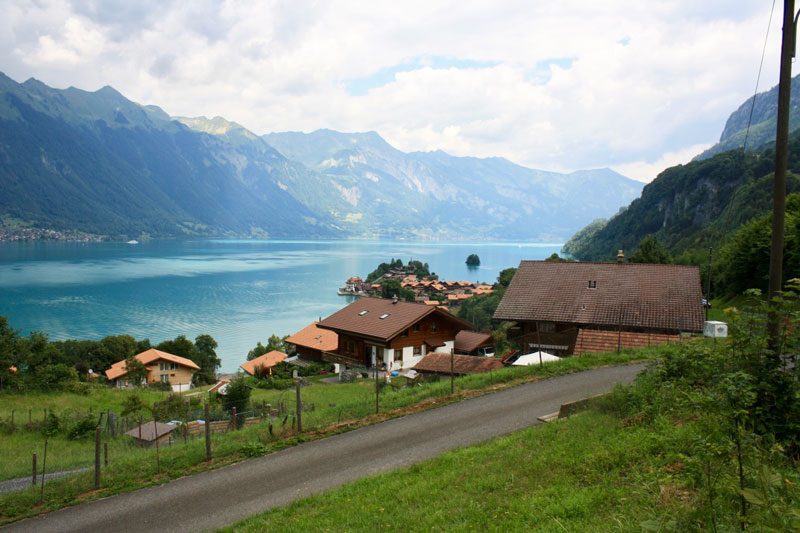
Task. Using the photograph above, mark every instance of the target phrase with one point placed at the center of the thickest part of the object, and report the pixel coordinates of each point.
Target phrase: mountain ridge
(100, 163)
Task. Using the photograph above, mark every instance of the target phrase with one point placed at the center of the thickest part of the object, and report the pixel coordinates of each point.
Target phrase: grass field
(336, 407)
(587, 473)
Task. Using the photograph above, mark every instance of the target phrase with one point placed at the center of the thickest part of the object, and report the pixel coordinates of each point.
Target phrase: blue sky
(556, 85)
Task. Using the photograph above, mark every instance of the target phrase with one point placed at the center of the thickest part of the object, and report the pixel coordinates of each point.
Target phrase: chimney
(620, 257)
(394, 299)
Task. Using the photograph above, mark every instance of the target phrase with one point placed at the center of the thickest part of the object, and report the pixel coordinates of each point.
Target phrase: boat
(132, 241)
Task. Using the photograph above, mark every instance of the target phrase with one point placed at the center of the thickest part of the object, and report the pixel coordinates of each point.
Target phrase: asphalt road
(221, 497)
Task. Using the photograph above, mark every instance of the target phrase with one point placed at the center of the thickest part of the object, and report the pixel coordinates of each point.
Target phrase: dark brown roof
(363, 317)
(462, 364)
(629, 294)
(149, 432)
(467, 341)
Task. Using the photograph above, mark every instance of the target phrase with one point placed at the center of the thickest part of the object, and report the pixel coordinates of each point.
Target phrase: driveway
(221, 497)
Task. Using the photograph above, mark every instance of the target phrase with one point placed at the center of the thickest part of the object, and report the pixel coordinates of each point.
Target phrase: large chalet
(574, 308)
(389, 334)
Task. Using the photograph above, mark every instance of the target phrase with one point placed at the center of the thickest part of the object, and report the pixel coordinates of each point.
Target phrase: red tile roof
(467, 341)
(147, 357)
(268, 360)
(316, 338)
(462, 364)
(665, 297)
(363, 318)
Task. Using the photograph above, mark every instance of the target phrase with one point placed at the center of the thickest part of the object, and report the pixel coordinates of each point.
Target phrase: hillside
(97, 162)
(690, 206)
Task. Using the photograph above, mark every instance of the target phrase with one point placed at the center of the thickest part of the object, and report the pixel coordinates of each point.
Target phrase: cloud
(647, 171)
(554, 85)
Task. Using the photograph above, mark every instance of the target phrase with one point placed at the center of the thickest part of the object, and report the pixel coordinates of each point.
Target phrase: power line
(758, 79)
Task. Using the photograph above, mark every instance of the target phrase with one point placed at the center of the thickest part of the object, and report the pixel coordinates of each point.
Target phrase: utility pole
(708, 281)
(779, 185)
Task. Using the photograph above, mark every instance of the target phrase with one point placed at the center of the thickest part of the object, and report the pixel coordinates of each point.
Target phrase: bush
(83, 428)
(54, 377)
(160, 386)
(78, 387)
(237, 395)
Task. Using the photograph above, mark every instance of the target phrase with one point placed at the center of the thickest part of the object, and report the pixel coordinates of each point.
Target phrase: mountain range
(99, 163)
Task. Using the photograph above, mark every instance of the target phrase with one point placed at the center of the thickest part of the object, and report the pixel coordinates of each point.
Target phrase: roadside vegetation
(706, 439)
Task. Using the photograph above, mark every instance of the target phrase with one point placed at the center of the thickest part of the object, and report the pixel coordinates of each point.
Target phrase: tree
(236, 395)
(135, 371)
(473, 260)
(505, 276)
(555, 258)
(651, 251)
(9, 341)
(207, 360)
(273, 343)
(391, 287)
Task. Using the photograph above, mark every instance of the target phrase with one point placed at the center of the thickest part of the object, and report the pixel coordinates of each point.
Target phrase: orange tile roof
(147, 357)
(268, 360)
(315, 338)
(431, 302)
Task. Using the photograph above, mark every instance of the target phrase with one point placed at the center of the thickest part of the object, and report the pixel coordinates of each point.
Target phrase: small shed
(149, 433)
(471, 342)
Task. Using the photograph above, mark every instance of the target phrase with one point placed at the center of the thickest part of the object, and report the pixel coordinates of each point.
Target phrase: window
(350, 347)
(362, 313)
(405, 333)
(434, 327)
(398, 355)
(415, 327)
(417, 350)
(164, 378)
(592, 284)
(384, 316)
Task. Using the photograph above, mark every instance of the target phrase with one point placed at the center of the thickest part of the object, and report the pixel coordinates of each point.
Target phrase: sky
(560, 85)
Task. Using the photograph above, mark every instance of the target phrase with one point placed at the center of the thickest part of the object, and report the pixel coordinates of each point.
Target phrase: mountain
(379, 189)
(99, 163)
(762, 128)
(691, 207)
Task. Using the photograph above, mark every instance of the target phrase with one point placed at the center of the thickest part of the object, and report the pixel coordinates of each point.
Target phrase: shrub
(54, 377)
(277, 384)
(83, 428)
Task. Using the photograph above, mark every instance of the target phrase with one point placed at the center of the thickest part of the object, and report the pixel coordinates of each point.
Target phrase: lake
(239, 292)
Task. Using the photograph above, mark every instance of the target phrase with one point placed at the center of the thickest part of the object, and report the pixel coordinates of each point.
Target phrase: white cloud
(647, 171)
(555, 85)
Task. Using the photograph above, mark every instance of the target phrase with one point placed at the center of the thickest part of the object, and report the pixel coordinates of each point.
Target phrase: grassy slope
(588, 473)
(353, 405)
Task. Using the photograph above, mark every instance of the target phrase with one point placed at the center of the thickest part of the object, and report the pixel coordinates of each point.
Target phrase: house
(161, 367)
(389, 333)
(311, 341)
(263, 363)
(442, 363)
(473, 343)
(148, 433)
(575, 308)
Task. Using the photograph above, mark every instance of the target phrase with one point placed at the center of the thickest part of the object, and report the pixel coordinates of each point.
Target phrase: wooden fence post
(97, 457)
(452, 365)
(44, 470)
(299, 408)
(155, 434)
(208, 433)
(34, 469)
(233, 415)
(105, 454)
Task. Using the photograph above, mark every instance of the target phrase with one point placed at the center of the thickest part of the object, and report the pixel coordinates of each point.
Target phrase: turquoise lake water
(239, 292)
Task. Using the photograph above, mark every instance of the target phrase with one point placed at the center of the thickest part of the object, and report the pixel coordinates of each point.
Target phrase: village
(551, 310)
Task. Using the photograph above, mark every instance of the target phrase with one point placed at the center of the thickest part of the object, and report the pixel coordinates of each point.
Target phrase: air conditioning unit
(715, 328)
